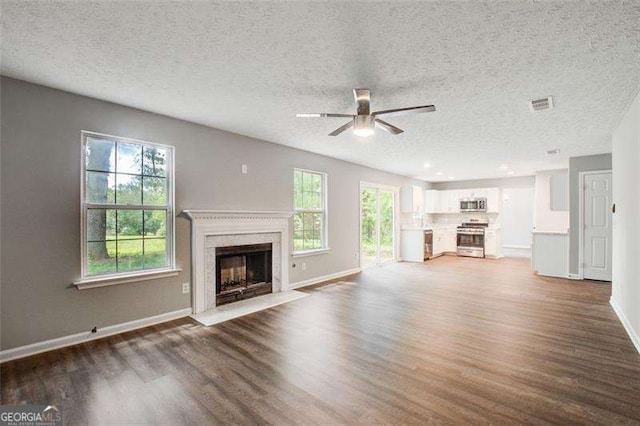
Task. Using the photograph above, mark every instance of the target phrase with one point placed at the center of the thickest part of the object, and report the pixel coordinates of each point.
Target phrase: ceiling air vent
(541, 104)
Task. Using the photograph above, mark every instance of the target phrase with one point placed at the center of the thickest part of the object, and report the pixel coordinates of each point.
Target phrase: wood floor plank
(453, 340)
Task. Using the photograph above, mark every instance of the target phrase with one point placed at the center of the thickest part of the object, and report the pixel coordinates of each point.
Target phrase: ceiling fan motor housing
(363, 124)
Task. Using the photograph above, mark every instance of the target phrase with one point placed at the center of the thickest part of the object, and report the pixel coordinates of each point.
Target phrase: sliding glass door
(377, 225)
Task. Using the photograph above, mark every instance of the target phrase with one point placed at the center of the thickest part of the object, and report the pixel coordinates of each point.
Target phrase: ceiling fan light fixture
(365, 122)
(363, 125)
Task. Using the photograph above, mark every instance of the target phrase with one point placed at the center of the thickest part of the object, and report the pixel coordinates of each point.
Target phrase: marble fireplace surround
(219, 228)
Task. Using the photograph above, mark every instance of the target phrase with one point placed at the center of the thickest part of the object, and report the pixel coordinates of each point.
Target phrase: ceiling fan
(365, 121)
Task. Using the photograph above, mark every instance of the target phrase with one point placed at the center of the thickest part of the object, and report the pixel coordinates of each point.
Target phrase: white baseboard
(574, 276)
(323, 278)
(73, 339)
(517, 251)
(626, 324)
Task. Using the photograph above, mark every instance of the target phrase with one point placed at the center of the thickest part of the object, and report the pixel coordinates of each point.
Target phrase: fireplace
(213, 229)
(243, 272)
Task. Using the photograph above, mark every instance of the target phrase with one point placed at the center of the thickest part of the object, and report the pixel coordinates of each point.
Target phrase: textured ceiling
(249, 67)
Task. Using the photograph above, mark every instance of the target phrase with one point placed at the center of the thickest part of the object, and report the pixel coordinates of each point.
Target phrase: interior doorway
(377, 224)
(596, 227)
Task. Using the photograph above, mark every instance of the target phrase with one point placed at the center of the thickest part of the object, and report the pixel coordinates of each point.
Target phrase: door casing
(581, 216)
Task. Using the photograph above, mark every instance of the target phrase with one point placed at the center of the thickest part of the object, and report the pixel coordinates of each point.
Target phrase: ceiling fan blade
(322, 114)
(341, 129)
(363, 101)
(405, 111)
(390, 128)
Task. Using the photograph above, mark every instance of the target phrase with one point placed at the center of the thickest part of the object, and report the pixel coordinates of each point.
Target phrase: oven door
(470, 244)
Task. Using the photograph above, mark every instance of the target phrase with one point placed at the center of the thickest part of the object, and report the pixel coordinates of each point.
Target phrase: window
(127, 206)
(310, 203)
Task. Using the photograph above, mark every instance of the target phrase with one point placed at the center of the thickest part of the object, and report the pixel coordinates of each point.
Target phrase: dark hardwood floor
(454, 340)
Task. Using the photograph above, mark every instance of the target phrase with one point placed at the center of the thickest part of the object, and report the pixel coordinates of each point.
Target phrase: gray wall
(507, 182)
(576, 165)
(40, 211)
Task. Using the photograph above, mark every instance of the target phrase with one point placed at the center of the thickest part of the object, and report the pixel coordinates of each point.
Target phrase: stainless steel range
(471, 239)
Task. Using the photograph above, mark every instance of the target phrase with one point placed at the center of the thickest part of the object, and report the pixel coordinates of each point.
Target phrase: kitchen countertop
(550, 232)
(437, 226)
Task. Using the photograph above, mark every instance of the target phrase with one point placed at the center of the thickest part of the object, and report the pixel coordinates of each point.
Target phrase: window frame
(88, 281)
(325, 216)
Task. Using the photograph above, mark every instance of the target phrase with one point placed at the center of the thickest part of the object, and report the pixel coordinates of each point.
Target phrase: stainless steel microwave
(473, 204)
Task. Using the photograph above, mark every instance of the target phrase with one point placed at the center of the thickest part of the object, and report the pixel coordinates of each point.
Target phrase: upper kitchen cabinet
(450, 201)
(473, 193)
(441, 201)
(431, 201)
(412, 199)
(494, 200)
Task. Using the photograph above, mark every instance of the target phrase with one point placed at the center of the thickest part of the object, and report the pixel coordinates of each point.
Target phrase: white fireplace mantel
(206, 223)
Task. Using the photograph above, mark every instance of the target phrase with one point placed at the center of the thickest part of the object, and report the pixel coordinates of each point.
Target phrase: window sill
(305, 253)
(128, 278)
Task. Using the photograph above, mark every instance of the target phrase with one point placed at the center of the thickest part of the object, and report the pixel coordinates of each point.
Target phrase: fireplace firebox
(243, 272)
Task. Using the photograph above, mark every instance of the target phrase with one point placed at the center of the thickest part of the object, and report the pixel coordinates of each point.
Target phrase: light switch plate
(244, 169)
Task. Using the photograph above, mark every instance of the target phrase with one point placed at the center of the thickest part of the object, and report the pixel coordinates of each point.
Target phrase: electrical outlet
(304, 266)
(244, 169)
(185, 288)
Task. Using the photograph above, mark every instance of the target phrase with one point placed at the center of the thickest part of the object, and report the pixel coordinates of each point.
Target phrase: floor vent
(541, 104)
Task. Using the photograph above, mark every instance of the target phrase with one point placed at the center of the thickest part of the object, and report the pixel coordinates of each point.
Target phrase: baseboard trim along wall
(516, 251)
(626, 324)
(73, 339)
(323, 278)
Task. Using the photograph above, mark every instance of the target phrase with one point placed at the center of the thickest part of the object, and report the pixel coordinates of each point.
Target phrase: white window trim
(312, 252)
(144, 275)
(325, 217)
(92, 281)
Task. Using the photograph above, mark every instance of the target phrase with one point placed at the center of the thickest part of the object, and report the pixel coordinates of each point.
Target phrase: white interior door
(597, 226)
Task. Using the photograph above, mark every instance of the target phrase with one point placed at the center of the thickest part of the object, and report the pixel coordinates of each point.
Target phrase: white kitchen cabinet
(493, 243)
(439, 246)
(449, 201)
(451, 240)
(464, 193)
(480, 193)
(412, 245)
(431, 201)
(473, 193)
(411, 198)
(444, 241)
(494, 200)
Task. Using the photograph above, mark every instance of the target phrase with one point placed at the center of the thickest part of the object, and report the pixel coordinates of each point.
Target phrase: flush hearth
(243, 272)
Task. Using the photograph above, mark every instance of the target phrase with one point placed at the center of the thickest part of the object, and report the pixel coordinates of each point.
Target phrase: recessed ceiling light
(451, 177)
(439, 174)
(427, 165)
(503, 167)
(553, 151)
(511, 172)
